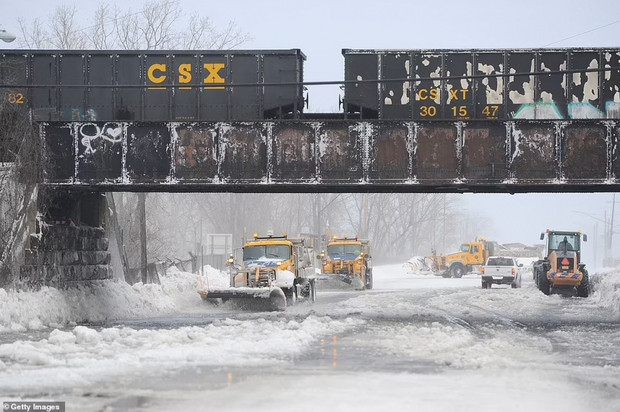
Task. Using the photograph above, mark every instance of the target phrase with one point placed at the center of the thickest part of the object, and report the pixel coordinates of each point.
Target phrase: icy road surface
(414, 343)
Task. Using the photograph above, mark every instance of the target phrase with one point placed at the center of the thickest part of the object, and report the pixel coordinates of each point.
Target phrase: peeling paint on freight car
(406, 85)
(494, 96)
(528, 89)
(589, 91)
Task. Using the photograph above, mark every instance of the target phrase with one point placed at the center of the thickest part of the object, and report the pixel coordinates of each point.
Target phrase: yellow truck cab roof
(267, 242)
(283, 242)
(344, 242)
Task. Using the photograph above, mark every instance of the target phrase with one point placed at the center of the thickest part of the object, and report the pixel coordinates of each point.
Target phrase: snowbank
(606, 286)
(100, 301)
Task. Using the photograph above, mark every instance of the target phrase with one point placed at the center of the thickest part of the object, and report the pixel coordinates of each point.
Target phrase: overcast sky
(321, 29)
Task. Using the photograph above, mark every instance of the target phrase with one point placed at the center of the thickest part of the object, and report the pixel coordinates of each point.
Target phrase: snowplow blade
(260, 298)
(339, 281)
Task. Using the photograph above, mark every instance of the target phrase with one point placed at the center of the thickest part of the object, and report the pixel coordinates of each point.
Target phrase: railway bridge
(505, 122)
(85, 159)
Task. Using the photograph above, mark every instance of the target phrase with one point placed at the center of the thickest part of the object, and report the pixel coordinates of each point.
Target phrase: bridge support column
(70, 246)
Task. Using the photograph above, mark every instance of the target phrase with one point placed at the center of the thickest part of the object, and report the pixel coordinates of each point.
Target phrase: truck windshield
(500, 261)
(344, 251)
(266, 252)
(557, 241)
(464, 247)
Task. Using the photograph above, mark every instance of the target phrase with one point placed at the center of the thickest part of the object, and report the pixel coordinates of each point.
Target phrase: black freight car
(154, 85)
(482, 84)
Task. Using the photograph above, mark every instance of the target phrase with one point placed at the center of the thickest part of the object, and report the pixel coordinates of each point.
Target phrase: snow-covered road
(414, 342)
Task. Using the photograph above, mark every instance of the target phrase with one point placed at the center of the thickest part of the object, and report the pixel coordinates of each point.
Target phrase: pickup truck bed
(501, 270)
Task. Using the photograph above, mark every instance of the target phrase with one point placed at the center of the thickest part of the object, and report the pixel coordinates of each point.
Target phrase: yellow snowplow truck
(346, 261)
(562, 269)
(471, 256)
(274, 269)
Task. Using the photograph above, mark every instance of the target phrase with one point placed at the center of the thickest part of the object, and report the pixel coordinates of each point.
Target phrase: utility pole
(444, 224)
(611, 227)
(364, 225)
(317, 220)
(143, 257)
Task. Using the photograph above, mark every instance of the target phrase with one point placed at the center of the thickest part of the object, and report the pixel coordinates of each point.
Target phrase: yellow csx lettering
(425, 94)
(433, 94)
(156, 74)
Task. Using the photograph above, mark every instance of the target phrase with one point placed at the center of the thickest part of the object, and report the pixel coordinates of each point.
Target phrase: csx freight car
(482, 84)
(137, 85)
(236, 85)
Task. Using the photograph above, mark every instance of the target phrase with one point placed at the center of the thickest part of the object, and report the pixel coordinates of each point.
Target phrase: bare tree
(157, 29)
(402, 225)
(101, 35)
(64, 29)
(126, 28)
(157, 25)
(34, 35)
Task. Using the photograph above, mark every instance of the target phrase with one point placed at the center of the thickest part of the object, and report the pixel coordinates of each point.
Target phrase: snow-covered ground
(103, 301)
(415, 342)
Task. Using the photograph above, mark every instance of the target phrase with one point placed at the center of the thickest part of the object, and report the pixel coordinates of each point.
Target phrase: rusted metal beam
(334, 155)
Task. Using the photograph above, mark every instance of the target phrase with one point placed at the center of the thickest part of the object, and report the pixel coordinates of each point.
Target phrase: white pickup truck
(501, 270)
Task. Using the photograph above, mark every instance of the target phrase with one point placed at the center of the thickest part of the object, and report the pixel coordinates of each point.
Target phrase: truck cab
(471, 256)
(276, 268)
(348, 260)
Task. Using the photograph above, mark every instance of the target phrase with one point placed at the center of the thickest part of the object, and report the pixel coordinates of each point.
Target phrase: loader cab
(564, 241)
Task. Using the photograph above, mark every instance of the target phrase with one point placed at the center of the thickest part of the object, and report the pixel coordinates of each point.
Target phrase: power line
(585, 32)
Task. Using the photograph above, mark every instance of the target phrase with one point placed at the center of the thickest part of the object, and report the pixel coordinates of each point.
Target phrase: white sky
(321, 29)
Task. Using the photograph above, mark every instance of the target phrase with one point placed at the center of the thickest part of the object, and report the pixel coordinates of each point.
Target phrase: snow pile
(417, 264)
(83, 356)
(101, 301)
(606, 287)
(211, 278)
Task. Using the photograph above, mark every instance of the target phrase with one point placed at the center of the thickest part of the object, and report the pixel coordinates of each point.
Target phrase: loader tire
(584, 289)
(543, 282)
